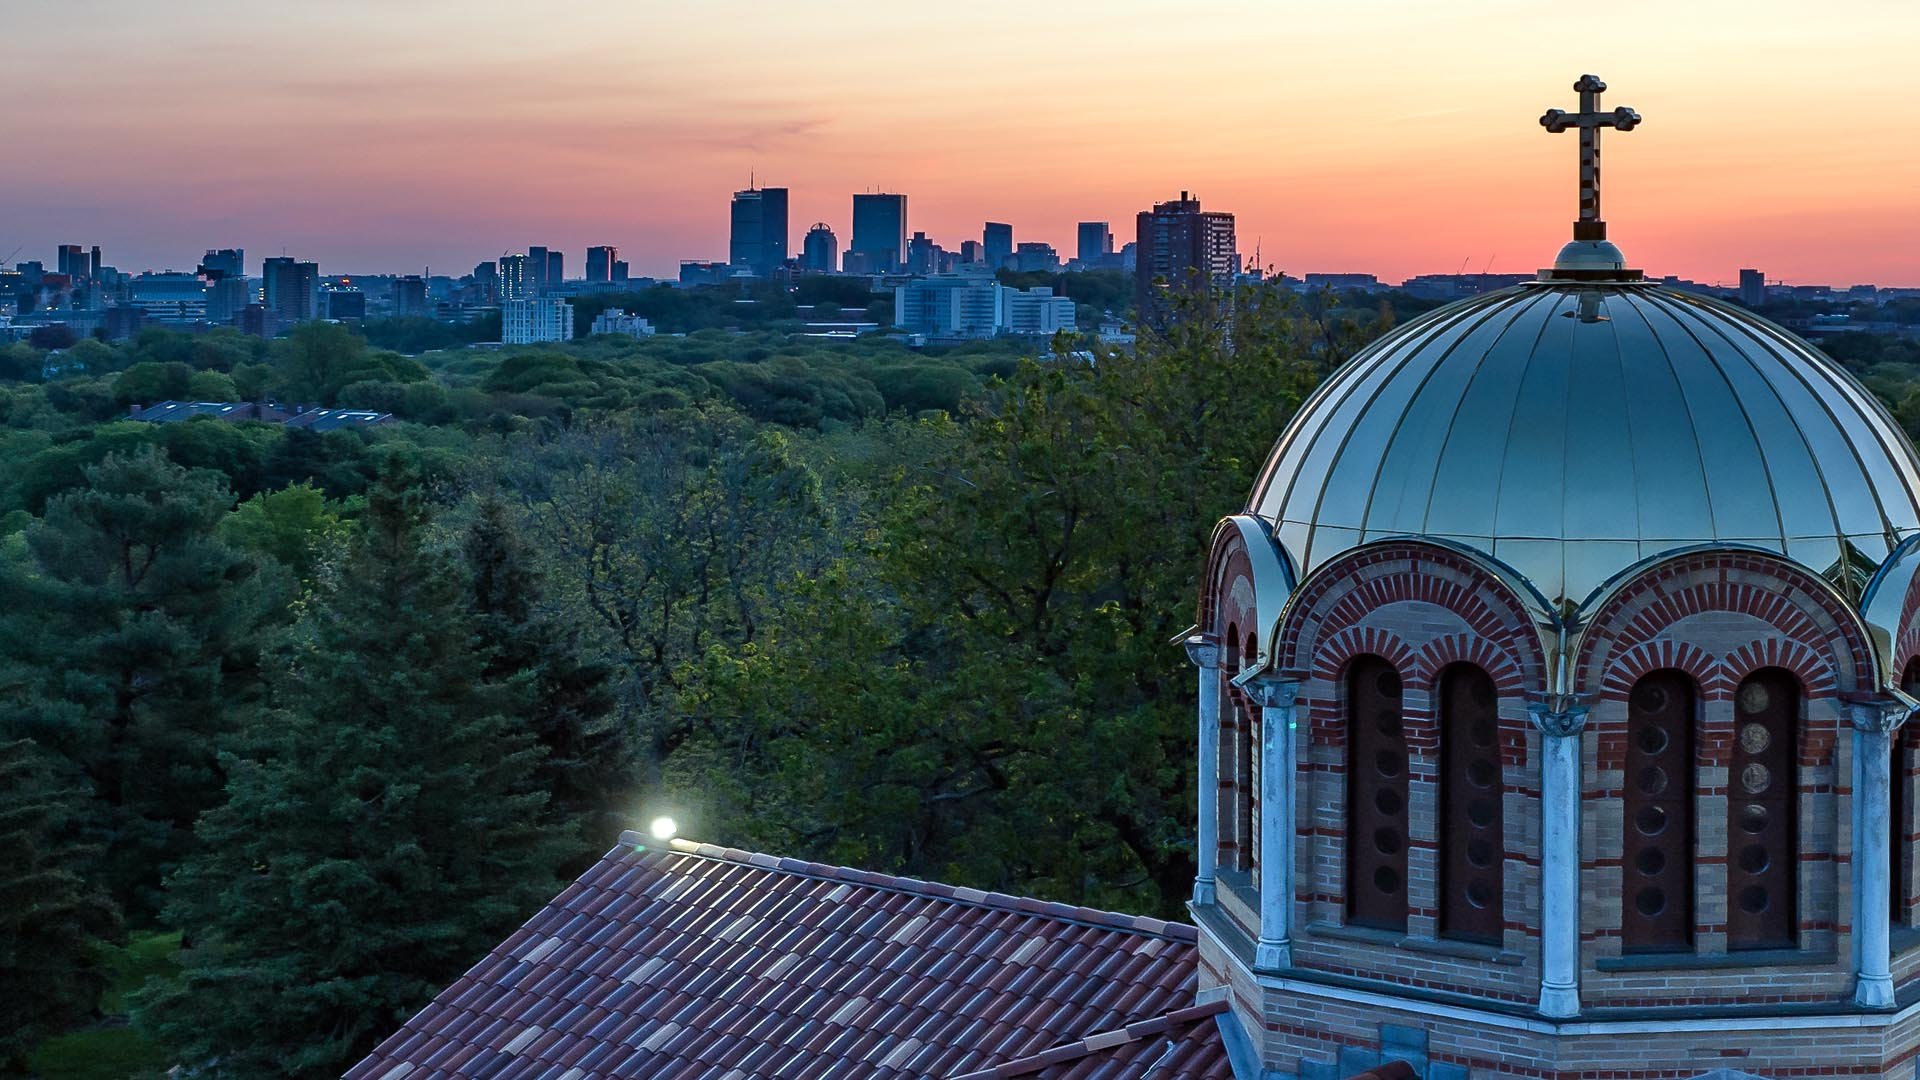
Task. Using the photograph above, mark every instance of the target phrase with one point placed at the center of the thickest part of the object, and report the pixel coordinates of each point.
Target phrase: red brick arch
(1316, 631)
(1817, 635)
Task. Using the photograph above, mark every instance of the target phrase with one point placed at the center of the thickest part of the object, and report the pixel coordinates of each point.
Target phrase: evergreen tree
(52, 924)
(133, 632)
(383, 830)
(588, 762)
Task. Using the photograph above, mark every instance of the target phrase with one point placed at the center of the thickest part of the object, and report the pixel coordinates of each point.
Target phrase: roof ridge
(1097, 1042)
(1114, 920)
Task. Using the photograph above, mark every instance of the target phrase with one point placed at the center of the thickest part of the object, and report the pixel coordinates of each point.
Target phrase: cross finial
(1590, 120)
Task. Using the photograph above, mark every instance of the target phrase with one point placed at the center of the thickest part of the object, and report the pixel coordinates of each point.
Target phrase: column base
(1560, 1002)
(1203, 892)
(1272, 955)
(1874, 992)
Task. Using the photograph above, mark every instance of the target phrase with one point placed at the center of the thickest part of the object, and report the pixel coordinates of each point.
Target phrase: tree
(382, 827)
(294, 526)
(587, 766)
(133, 637)
(53, 925)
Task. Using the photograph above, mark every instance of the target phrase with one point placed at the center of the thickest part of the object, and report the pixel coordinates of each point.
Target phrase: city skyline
(197, 129)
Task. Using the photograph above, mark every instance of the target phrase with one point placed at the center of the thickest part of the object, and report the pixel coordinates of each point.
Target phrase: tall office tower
(537, 271)
(1181, 247)
(619, 271)
(486, 278)
(997, 241)
(880, 231)
(409, 295)
(972, 251)
(516, 276)
(227, 297)
(556, 268)
(600, 262)
(820, 251)
(1753, 288)
(291, 290)
(758, 238)
(1096, 241)
(224, 263)
(74, 261)
(923, 255)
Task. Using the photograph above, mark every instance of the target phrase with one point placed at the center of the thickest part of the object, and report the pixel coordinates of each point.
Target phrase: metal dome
(1573, 429)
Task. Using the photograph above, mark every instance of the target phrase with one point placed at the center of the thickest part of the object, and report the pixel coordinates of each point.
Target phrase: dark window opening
(1657, 815)
(1472, 843)
(1377, 797)
(1763, 849)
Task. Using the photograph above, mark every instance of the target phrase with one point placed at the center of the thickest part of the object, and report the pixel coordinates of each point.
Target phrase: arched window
(1763, 836)
(1241, 757)
(1472, 846)
(1249, 656)
(1376, 797)
(1900, 820)
(1657, 849)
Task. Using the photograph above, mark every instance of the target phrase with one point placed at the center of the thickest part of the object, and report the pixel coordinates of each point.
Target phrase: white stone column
(1278, 774)
(1560, 723)
(1874, 723)
(1205, 654)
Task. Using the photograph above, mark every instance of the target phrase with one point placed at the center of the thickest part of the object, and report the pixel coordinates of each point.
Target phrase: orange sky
(1397, 138)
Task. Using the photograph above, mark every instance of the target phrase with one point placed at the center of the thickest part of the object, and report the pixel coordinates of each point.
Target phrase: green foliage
(382, 828)
(317, 359)
(570, 706)
(54, 926)
(294, 526)
(133, 632)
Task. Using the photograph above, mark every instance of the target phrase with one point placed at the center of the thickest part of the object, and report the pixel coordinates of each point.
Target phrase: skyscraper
(600, 262)
(515, 281)
(224, 263)
(820, 251)
(923, 255)
(1181, 247)
(409, 295)
(880, 230)
(997, 241)
(291, 290)
(1753, 288)
(537, 271)
(1096, 241)
(556, 268)
(75, 261)
(758, 239)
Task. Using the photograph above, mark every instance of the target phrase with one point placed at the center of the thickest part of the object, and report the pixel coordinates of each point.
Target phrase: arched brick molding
(1791, 603)
(1354, 590)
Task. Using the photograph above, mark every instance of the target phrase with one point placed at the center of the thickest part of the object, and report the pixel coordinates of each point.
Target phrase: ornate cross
(1590, 120)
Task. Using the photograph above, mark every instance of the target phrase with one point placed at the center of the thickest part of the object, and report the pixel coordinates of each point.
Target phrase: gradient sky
(1352, 135)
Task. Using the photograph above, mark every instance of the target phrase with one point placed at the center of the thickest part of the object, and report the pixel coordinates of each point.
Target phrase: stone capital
(1558, 715)
(1273, 693)
(1880, 715)
(1203, 650)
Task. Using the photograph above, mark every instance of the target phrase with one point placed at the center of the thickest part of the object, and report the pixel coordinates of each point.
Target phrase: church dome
(1571, 429)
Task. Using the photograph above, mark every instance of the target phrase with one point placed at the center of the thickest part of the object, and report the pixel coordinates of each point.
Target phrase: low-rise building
(963, 305)
(618, 321)
(1035, 311)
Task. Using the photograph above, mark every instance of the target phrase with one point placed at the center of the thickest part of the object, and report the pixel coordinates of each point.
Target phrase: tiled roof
(692, 961)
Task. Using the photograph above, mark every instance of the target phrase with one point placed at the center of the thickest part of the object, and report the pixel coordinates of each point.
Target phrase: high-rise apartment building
(1181, 247)
(1753, 288)
(556, 268)
(536, 319)
(758, 237)
(600, 262)
(409, 295)
(516, 276)
(76, 262)
(619, 271)
(291, 290)
(996, 240)
(1096, 242)
(820, 251)
(880, 230)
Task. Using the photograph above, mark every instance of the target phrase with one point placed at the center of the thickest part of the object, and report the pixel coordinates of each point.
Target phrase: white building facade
(618, 321)
(531, 321)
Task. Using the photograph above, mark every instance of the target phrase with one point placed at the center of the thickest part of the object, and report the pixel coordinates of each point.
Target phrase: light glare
(664, 828)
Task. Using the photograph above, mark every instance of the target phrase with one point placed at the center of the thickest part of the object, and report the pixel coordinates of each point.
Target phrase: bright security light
(663, 828)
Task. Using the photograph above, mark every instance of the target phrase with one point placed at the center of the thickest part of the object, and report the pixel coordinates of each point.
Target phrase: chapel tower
(1551, 692)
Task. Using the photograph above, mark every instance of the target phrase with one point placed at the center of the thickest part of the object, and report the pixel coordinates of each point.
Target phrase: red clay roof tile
(696, 962)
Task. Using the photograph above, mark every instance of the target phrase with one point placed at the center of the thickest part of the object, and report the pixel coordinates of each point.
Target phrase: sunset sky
(1396, 138)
